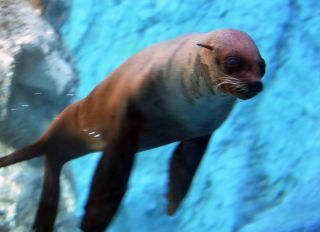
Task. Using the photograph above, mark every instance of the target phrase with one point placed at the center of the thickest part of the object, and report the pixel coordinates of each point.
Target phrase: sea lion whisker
(231, 81)
(231, 78)
(228, 77)
(222, 83)
(240, 85)
(227, 81)
(219, 85)
(224, 80)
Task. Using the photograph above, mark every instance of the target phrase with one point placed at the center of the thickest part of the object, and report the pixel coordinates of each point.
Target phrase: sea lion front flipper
(111, 176)
(183, 165)
(48, 206)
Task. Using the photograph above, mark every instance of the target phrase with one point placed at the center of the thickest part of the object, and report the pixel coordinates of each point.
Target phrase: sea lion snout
(253, 89)
(252, 78)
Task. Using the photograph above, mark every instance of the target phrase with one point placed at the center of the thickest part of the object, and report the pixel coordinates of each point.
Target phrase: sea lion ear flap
(205, 46)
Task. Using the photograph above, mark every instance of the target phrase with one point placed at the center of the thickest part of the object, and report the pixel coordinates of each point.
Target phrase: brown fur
(171, 91)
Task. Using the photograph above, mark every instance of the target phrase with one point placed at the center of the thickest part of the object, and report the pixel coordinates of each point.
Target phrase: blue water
(260, 172)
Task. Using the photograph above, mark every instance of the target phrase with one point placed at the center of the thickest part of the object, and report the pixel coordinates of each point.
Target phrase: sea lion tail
(28, 152)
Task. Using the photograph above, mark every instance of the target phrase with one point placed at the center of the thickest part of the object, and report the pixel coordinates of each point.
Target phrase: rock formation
(37, 80)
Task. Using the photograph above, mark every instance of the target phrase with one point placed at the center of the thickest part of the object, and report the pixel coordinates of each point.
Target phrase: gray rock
(37, 71)
(56, 12)
(6, 73)
(37, 80)
(20, 191)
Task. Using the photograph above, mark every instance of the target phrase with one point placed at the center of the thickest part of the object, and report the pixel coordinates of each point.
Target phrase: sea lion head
(233, 63)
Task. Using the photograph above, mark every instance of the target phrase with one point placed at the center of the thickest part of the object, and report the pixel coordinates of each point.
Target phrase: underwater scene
(178, 116)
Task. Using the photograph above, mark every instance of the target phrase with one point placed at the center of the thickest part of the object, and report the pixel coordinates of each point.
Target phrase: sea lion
(179, 90)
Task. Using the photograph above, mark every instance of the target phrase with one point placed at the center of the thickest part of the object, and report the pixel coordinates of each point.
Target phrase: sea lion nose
(255, 86)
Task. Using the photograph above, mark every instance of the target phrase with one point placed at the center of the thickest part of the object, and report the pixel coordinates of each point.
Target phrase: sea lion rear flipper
(112, 173)
(25, 153)
(48, 206)
(183, 166)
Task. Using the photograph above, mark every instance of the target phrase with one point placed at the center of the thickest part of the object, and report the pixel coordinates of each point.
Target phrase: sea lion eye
(232, 64)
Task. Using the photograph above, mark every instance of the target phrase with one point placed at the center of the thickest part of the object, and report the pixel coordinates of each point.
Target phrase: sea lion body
(171, 91)
(153, 78)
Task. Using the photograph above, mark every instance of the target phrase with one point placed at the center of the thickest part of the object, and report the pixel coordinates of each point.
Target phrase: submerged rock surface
(36, 72)
(37, 80)
(19, 196)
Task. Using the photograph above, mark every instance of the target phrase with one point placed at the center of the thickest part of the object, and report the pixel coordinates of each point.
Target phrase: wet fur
(172, 91)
